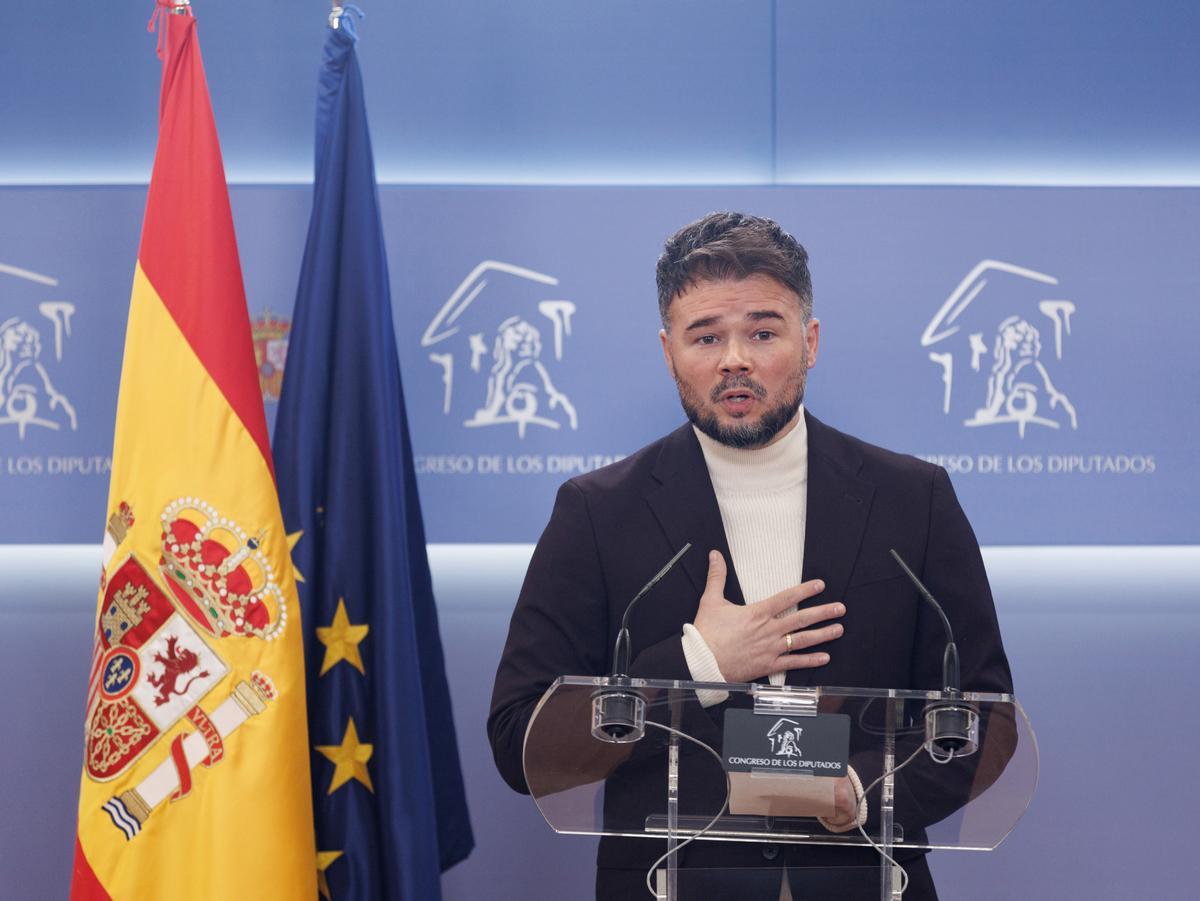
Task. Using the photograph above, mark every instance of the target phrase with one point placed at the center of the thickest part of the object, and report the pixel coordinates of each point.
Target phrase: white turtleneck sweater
(763, 498)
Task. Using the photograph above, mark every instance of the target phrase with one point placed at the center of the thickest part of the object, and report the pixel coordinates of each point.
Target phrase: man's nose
(736, 357)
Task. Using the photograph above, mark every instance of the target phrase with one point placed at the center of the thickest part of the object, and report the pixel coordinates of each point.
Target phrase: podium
(644, 758)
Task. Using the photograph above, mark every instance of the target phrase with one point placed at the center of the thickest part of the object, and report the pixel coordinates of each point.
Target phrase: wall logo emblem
(28, 396)
(784, 737)
(999, 352)
(270, 335)
(505, 348)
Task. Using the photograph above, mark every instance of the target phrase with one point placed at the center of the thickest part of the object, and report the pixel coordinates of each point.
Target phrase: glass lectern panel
(585, 782)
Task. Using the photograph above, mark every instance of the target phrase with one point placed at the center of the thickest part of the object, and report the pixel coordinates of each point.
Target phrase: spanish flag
(195, 778)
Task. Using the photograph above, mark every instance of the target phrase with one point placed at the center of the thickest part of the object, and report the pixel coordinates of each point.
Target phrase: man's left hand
(845, 803)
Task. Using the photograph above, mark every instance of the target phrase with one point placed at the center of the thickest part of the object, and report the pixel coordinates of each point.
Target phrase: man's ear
(812, 337)
(666, 349)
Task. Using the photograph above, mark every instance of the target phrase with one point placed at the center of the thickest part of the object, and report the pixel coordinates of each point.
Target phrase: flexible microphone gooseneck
(621, 648)
(619, 711)
(951, 726)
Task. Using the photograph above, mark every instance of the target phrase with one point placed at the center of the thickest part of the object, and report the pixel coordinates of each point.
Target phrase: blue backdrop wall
(669, 92)
(963, 174)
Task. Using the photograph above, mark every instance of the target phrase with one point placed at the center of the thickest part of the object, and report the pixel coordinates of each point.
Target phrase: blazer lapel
(686, 508)
(839, 502)
(838, 505)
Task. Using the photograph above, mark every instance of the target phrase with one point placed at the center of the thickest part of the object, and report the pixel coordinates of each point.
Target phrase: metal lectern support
(888, 889)
(672, 887)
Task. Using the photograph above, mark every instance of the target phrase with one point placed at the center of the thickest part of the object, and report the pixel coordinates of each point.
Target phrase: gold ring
(787, 639)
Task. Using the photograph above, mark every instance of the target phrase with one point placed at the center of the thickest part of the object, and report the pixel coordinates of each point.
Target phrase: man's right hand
(751, 641)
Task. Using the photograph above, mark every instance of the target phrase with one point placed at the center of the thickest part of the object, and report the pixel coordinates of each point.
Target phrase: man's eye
(764, 335)
(707, 339)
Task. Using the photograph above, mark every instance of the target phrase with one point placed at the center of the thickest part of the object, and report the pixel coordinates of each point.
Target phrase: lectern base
(766, 884)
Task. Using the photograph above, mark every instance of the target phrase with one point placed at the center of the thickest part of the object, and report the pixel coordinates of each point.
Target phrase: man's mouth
(737, 403)
(738, 386)
(738, 398)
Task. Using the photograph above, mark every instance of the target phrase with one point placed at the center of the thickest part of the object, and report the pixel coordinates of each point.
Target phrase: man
(789, 578)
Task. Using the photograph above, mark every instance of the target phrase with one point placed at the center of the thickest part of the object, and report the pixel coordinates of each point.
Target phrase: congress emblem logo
(31, 349)
(498, 352)
(784, 738)
(999, 342)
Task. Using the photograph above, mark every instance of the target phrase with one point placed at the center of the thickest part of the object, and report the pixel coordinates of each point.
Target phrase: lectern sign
(817, 745)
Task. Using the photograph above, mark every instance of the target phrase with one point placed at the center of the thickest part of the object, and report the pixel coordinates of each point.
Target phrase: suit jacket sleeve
(565, 623)
(953, 571)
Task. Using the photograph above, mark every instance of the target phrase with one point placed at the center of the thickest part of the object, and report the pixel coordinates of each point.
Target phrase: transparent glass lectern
(615, 757)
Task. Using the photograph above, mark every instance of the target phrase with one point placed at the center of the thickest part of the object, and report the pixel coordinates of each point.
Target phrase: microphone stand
(619, 710)
(951, 725)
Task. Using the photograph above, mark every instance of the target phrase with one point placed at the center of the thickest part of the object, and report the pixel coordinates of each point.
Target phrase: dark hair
(731, 246)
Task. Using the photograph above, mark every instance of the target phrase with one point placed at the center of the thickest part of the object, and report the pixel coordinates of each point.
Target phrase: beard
(745, 435)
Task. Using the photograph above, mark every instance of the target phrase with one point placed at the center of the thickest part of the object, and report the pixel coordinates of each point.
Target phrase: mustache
(741, 381)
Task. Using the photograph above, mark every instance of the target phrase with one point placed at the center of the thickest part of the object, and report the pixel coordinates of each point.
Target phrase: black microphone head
(951, 729)
(618, 714)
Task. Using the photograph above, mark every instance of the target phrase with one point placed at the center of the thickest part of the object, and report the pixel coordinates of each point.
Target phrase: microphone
(951, 726)
(621, 648)
(619, 711)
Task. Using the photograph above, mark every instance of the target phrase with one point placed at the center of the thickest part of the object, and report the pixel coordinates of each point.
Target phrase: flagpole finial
(338, 10)
(181, 7)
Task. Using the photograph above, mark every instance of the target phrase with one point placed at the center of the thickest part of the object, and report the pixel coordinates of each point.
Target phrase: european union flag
(388, 792)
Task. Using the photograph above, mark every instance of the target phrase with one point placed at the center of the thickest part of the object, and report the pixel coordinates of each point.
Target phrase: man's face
(740, 351)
